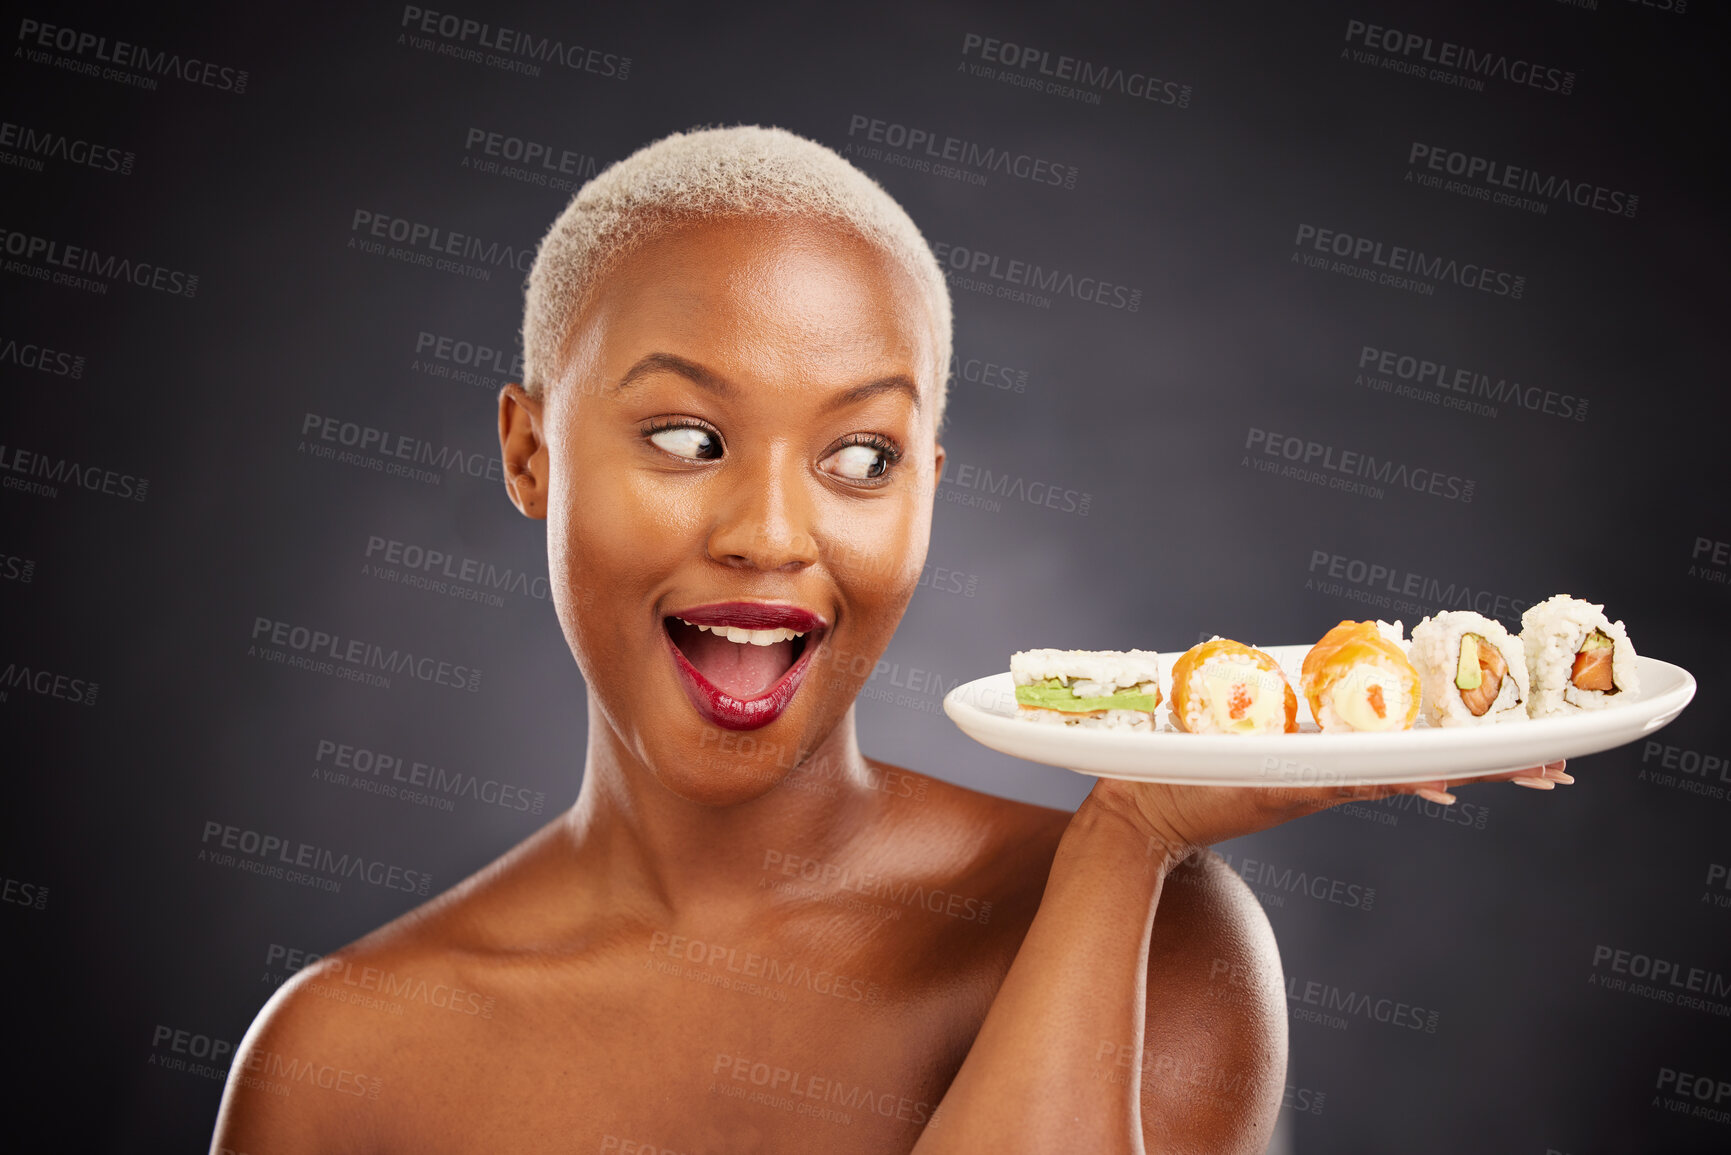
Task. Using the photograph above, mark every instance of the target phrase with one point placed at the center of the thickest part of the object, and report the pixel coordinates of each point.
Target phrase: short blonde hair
(746, 170)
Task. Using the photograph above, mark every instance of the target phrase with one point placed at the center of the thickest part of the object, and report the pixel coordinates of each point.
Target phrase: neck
(677, 855)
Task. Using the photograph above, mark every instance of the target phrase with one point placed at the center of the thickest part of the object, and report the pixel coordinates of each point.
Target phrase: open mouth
(740, 662)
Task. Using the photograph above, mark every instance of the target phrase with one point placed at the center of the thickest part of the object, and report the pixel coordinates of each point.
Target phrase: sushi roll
(1358, 678)
(1226, 687)
(1578, 658)
(1101, 689)
(1472, 671)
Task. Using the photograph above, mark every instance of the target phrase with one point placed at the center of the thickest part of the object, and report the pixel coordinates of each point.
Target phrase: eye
(692, 442)
(865, 459)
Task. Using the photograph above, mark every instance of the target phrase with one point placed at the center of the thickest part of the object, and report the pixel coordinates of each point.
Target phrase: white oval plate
(985, 709)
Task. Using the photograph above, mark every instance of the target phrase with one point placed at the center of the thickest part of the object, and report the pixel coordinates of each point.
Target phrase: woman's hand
(1180, 819)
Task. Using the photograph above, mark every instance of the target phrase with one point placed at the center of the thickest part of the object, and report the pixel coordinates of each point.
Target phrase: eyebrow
(713, 382)
(668, 363)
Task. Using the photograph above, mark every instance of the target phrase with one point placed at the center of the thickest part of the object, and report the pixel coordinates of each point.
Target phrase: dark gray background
(1489, 916)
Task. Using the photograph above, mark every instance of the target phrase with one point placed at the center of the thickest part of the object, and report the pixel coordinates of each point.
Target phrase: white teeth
(752, 637)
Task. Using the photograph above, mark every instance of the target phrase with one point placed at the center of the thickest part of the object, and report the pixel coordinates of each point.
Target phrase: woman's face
(739, 448)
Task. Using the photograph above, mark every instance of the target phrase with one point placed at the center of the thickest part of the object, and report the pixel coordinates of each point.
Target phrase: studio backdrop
(1267, 315)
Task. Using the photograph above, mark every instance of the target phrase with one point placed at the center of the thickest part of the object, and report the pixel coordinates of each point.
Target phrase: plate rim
(1290, 749)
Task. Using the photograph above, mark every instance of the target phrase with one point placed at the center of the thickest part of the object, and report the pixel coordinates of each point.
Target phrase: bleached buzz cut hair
(742, 171)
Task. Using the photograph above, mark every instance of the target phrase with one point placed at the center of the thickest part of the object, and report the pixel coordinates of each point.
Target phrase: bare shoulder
(344, 1046)
(999, 841)
(1214, 1051)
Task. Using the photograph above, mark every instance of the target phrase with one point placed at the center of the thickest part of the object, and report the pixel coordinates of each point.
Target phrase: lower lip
(723, 709)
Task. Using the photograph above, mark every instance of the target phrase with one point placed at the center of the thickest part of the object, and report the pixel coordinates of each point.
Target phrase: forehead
(787, 299)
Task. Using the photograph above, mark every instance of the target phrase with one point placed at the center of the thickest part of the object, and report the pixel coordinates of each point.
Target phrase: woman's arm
(1036, 1078)
(1074, 1054)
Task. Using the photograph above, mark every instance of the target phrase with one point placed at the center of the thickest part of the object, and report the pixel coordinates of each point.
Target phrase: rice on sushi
(1097, 689)
(1471, 670)
(1578, 659)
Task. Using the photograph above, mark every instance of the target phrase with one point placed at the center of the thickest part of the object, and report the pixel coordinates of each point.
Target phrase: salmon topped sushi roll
(1358, 678)
(1226, 687)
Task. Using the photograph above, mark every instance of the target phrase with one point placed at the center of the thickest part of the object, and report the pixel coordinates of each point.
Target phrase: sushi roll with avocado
(1226, 687)
(1471, 670)
(1358, 678)
(1103, 689)
(1578, 658)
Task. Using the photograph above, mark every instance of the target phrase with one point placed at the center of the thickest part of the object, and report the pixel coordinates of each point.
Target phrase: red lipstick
(716, 705)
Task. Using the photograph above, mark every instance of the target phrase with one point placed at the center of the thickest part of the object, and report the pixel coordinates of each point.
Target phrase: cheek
(878, 555)
(612, 534)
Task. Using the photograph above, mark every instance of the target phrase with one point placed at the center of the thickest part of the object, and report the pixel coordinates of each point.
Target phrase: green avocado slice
(1052, 694)
(1467, 673)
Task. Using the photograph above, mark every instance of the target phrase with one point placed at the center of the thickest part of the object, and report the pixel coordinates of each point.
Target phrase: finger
(1556, 773)
(1437, 792)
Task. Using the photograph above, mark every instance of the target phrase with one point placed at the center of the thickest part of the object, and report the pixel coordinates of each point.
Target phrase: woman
(736, 352)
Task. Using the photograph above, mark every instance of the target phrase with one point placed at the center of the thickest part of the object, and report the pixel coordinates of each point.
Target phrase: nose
(764, 518)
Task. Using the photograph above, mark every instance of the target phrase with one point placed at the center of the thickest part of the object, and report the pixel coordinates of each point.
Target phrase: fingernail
(1440, 797)
(1535, 783)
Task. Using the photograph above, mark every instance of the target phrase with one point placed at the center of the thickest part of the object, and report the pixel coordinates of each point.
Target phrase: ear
(523, 450)
(938, 472)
